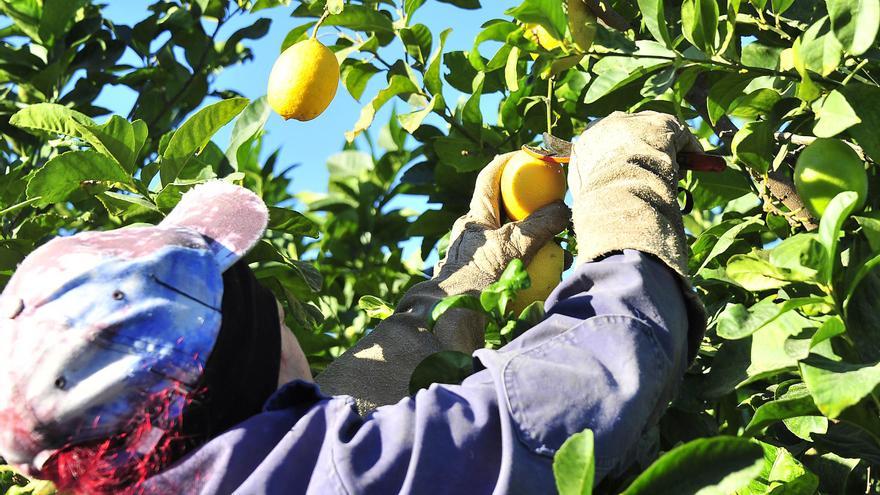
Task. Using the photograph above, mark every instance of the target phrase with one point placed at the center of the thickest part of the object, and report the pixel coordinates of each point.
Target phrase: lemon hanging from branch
(304, 79)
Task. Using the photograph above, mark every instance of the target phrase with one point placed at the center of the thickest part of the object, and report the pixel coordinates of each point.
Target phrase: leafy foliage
(782, 396)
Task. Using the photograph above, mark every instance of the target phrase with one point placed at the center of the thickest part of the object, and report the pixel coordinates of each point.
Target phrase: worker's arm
(377, 370)
(608, 358)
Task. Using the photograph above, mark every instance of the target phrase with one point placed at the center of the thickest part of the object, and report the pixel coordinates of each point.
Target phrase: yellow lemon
(529, 183)
(826, 168)
(545, 271)
(303, 80)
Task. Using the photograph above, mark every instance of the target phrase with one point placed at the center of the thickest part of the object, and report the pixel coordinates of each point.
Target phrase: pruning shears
(559, 151)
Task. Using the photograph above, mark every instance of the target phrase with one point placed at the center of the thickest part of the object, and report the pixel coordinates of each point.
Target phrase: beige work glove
(624, 177)
(377, 370)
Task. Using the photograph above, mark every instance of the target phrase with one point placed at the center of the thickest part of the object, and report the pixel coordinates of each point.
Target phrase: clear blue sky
(311, 143)
(307, 143)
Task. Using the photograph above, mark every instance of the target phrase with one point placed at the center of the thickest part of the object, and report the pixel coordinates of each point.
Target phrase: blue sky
(306, 143)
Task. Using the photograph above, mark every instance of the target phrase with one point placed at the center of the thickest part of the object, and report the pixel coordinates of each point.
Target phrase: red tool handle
(701, 162)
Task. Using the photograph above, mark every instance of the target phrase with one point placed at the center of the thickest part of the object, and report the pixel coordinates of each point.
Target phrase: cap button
(10, 307)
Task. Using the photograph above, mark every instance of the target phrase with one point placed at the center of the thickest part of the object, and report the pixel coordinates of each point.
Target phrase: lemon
(545, 272)
(529, 183)
(303, 80)
(826, 168)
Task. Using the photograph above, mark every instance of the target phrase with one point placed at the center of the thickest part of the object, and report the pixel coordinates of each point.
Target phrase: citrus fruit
(826, 168)
(303, 80)
(529, 183)
(545, 271)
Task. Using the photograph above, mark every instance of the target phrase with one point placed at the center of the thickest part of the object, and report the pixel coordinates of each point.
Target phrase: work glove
(624, 177)
(377, 370)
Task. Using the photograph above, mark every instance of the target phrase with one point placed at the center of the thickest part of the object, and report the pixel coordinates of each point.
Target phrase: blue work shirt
(609, 356)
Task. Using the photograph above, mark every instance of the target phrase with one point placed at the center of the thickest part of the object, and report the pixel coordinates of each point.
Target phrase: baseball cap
(98, 325)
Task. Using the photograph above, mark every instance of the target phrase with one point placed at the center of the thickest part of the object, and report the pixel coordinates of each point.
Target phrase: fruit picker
(149, 359)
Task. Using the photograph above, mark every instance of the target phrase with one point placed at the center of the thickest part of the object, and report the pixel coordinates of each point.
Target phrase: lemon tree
(785, 243)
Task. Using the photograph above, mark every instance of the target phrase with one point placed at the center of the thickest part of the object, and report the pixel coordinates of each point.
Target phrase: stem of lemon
(320, 21)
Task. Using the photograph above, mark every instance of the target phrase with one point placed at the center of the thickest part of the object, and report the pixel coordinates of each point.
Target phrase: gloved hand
(377, 370)
(623, 176)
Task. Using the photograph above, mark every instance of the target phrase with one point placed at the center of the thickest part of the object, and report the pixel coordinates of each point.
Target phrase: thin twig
(321, 20)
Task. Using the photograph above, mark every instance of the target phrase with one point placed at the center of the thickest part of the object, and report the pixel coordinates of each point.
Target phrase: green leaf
(56, 18)
(413, 120)
(361, 18)
(769, 355)
(837, 211)
(74, 171)
(615, 72)
(807, 90)
(459, 301)
(755, 104)
(396, 86)
(699, 21)
(728, 238)
(802, 255)
(574, 465)
(296, 35)
(460, 154)
(655, 20)
(192, 137)
(249, 124)
(471, 115)
(410, 6)
(291, 222)
(780, 6)
(463, 4)
(375, 307)
(724, 92)
(820, 50)
(737, 322)
(781, 474)
(755, 273)
(432, 79)
(25, 14)
(498, 31)
(708, 466)
(871, 231)
(117, 136)
(865, 100)
(711, 189)
(547, 13)
(794, 403)
(834, 383)
(834, 116)
(855, 23)
(753, 145)
(58, 119)
(355, 75)
(449, 367)
(417, 40)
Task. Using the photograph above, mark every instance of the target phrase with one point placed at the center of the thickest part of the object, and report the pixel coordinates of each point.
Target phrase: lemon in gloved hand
(303, 80)
(529, 183)
(545, 272)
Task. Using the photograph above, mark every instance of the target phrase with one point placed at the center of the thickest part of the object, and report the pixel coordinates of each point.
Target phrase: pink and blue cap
(95, 326)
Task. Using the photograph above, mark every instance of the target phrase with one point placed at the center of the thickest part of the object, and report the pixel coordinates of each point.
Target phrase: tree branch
(780, 185)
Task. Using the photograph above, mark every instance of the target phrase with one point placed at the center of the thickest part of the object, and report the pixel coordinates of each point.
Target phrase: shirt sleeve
(608, 357)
